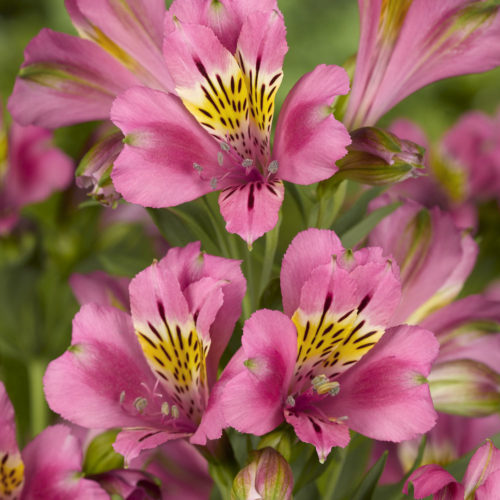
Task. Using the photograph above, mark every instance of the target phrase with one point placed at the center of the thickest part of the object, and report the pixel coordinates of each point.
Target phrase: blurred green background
(36, 304)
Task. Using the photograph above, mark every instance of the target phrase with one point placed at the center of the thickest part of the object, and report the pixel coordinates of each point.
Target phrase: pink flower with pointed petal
(481, 480)
(407, 44)
(330, 363)
(31, 168)
(49, 466)
(217, 135)
(434, 256)
(150, 373)
(66, 79)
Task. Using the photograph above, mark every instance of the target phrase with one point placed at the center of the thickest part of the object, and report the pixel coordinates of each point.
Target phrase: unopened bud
(377, 157)
(268, 476)
(94, 171)
(465, 387)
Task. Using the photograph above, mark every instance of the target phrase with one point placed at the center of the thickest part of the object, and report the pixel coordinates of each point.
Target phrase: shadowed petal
(433, 479)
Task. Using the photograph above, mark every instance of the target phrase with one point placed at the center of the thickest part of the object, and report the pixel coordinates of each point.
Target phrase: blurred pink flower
(31, 168)
(407, 44)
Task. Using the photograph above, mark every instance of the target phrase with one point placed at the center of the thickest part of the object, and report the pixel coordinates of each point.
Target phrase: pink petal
(66, 80)
(260, 52)
(253, 399)
(100, 288)
(490, 488)
(314, 428)
(8, 441)
(426, 43)
(384, 395)
(135, 27)
(224, 18)
(53, 463)
(252, 209)
(96, 382)
(155, 294)
(435, 257)
(163, 143)
(309, 140)
(213, 421)
(433, 479)
(484, 462)
(308, 250)
(35, 167)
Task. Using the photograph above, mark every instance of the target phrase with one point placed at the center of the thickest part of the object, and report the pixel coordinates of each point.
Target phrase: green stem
(221, 240)
(38, 406)
(272, 238)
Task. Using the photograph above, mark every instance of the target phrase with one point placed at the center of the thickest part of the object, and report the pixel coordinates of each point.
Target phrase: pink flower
(330, 363)
(151, 372)
(434, 256)
(407, 44)
(66, 79)
(216, 134)
(30, 170)
(49, 466)
(481, 480)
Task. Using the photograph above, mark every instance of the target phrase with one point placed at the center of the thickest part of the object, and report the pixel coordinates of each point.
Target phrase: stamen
(175, 412)
(122, 397)
(323, 385)
(290, 400)
(140, 404)
(165, 408)
(247, 162)
(225, 147)
(220, 159)
(198, 167)
(213, 183)
(272, 168)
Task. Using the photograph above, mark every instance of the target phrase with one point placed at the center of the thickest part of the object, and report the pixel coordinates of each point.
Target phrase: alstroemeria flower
(66, 79)
(434, 256)
(31, 168)
(48, 467)
(330, 363)
(216, 134)
(468, 332)
(481, 480)
(407, 44)
(150, 372)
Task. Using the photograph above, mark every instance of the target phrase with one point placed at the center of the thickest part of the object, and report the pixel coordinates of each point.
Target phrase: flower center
(177, 354)
(329, 343)
(11, 475)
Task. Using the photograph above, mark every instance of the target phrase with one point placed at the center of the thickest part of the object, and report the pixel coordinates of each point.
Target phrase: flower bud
(268, 476)
(95, 168)
(465, 387)
(378, 157)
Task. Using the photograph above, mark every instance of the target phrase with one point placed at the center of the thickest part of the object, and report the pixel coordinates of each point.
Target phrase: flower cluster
(351, 321)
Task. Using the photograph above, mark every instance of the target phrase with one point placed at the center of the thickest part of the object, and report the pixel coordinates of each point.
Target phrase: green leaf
(367, 487)
(361, 230)
(100, 456)
(352, 470)
(186, 223)
(357, 211)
